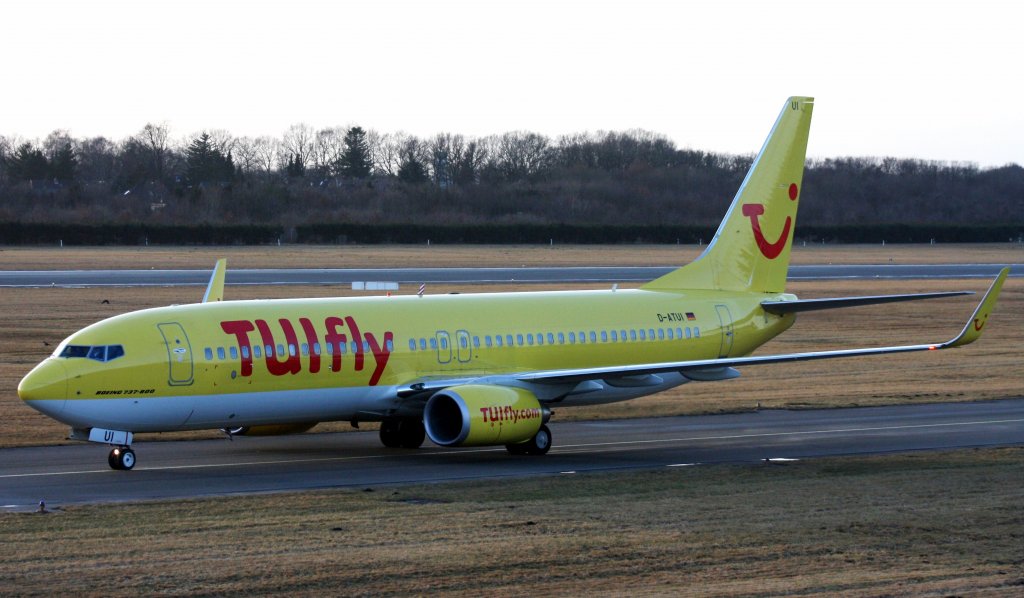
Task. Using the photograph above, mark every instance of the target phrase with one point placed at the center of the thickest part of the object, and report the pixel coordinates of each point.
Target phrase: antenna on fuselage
(215, 290)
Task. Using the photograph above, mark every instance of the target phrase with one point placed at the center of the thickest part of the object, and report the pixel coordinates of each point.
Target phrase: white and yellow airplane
(466, 369)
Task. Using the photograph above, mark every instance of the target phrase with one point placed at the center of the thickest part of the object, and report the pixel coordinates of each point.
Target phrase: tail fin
(750, 251)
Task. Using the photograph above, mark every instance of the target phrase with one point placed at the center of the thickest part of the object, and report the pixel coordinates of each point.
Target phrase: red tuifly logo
(769, 249)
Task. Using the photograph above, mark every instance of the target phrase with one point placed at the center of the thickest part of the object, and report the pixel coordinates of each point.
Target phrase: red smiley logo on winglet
(768, 249)
(979, 324)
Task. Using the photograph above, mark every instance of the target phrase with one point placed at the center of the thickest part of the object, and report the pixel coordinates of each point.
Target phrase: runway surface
(79, 474)
(124, 278)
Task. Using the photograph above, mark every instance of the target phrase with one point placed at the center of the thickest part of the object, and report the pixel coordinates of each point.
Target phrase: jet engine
(483, 415)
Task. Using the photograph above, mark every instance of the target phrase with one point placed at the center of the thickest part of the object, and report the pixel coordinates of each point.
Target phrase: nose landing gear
(121, 458)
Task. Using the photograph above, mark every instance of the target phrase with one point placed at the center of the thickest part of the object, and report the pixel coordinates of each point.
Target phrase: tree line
(349, 175)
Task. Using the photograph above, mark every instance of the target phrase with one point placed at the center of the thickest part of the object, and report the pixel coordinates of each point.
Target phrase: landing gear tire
(412, 433)
(540, 444)
(402, 433)
(121, 458)
(389, 433)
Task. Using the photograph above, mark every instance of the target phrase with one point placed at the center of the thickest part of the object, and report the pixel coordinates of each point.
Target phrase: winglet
(215, 290)
(972, 331)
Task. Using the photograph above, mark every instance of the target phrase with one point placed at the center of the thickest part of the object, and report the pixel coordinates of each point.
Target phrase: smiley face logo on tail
(770, 250)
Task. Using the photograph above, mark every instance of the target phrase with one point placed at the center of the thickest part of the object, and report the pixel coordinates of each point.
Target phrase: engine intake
(483, 415)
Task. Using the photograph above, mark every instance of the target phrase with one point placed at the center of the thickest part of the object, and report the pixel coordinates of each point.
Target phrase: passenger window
(615, 336)
(208, 352)
(291, 350)
(330, 348)
(671, 334)
(551, 339)
(540, 338)
(389, 345)
(593, 336)
(270, 350)
(643, 335)
(220, 353)
(487, 340)
(497, 339)
(687, 332)
(604, 336)
(233, 351)
(508, 340)
(305, 349)
(412, 344)
(572, 338)
(696, 332)
(433, 343)
(423, 344)
(245, 352)
(561, 338)
(529, 339)
(623, 335)
(316, 348)
(632, 335)
(650, 334)
(519, 338)
(257, 352)
(476, 342)
(661, 334)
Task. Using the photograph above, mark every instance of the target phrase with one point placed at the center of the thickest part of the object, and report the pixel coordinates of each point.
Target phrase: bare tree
(298, 143)
(221, 140)
(387, 151)
(328, 146)
(156, 139)
(521, 154)
(98, 159)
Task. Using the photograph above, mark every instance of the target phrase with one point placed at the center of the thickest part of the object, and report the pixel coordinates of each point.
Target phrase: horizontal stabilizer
(802, 305)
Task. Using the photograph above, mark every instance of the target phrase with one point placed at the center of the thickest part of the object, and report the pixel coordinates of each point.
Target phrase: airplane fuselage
(246, 363)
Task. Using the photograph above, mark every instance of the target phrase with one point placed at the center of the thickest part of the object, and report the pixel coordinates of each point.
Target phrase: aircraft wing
(704, 369)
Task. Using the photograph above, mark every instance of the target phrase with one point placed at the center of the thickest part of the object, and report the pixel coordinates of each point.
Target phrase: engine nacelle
(482, 415)
(271, 429)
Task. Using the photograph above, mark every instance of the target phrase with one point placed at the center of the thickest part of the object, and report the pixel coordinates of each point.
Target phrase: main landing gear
(402, 433)
(121, 458)
(540, 444)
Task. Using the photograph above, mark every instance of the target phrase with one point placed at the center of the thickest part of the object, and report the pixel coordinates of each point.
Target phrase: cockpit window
(102, 353)
(75, 351)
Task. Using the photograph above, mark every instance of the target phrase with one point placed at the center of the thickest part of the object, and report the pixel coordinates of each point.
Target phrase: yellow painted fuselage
(261, 362)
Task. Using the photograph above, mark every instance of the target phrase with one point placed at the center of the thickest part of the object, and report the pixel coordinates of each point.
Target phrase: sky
(934, 80)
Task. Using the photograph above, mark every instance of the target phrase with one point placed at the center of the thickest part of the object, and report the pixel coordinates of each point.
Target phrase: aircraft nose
(47, 382)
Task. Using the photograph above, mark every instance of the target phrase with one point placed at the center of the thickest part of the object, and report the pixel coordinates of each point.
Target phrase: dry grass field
(33, 321)
(931, 524)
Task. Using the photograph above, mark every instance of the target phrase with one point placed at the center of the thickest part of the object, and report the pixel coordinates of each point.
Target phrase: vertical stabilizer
(750, 251)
